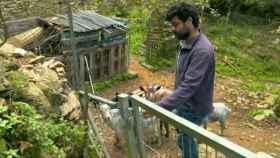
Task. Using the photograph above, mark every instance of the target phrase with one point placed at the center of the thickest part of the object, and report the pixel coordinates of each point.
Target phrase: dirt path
(257, 136)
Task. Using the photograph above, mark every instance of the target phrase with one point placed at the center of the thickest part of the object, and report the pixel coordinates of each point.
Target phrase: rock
(53, 64)
(48, 81)
(36, 60)
(28, 67)
(35, 96)
(251, 125)
(276, 107)
(259, 117)
(263, 106)
(4, 84)
(17, 81)
(60, 70)
(3, 145)
(19, 52)
(72, 108)
(24, 145)
(12, 67)
(28, 92)
(2, 102)
(9, 50)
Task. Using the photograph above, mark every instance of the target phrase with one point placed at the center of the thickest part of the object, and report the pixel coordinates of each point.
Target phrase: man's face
(182, 30)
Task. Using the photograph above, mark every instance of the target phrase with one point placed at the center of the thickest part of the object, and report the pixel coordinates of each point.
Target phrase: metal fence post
(130, 142)
(139, 130)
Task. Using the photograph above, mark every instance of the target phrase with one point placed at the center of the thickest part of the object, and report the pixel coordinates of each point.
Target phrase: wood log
(26, 37)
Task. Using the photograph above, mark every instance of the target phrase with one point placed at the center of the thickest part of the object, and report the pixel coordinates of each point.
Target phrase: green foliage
(243, 51)
(28, 134)
(260, 113)
(159, 64)
(261, 8)
(17, 79)
(137, 28)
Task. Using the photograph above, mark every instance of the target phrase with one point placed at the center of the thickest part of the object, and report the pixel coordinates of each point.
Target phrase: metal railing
(217, 143)
(135, 146)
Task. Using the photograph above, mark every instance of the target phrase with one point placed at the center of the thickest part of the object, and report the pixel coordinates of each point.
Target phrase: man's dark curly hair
(183, 11)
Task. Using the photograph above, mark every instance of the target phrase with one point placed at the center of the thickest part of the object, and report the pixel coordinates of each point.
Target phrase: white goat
(220, 114)
(155, 93)
(113, 118)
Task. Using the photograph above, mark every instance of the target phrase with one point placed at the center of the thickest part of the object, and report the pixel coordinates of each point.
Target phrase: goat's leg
(205, 125)
(161, 127)
(222, 124)
(159, 131)
(166, 126)
(117, 143)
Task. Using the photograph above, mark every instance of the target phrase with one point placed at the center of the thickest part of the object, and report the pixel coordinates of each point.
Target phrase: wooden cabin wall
(103, 63)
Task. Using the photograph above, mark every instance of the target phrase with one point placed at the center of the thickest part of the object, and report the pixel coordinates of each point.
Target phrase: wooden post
(120, 58)
(130, 143)
(82, 70)
(126, 55)
(101, 65)
(74, 64)
(112, 61)
(5, 29)
(92, 64)
(139, 130)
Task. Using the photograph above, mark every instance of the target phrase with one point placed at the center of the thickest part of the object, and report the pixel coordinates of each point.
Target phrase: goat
(113, 118)
(155, 93)
(220, 113)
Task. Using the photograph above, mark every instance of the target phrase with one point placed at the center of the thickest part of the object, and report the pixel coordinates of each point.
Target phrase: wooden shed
(100, 42)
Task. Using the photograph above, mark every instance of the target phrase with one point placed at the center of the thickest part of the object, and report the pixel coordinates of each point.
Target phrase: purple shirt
(194, 83)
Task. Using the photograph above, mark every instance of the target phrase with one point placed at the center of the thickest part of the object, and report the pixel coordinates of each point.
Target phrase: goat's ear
(142, 88)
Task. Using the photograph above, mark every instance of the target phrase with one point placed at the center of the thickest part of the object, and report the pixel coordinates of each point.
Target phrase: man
(195, 71)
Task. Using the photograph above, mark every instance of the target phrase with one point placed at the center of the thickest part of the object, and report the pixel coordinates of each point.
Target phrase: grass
(249, 51)
(100, 86)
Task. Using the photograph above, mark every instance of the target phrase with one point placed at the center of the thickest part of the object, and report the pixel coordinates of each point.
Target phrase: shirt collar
(189, 45)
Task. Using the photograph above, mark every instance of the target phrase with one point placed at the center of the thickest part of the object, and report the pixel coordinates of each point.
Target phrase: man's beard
(182, 34)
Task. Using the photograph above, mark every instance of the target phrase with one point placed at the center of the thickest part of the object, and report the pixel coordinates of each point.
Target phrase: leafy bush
(25, 133)
(262, 8)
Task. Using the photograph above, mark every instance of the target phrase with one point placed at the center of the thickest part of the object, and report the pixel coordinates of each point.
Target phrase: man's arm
(193, 79)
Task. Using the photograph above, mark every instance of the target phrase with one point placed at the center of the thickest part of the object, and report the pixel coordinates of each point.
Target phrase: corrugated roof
(85, 21)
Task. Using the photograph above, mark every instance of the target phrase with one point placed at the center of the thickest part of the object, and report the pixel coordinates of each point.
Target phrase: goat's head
(106, 112)
(150, 91)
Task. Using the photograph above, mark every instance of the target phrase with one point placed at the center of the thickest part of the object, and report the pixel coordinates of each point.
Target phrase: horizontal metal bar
(99, 99)
(215, 141)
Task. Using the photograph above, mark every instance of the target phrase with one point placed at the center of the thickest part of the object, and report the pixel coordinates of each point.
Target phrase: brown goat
(155, 93)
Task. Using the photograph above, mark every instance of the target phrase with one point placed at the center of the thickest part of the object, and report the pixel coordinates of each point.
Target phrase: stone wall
(20, 15)
(19, 9)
